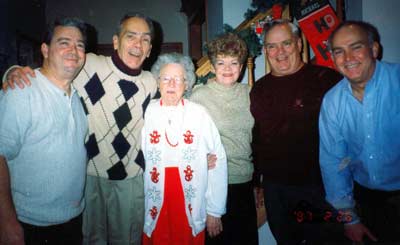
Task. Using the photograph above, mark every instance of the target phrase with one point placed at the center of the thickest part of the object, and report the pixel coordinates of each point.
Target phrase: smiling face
(353, 55)
(172, 83)
(227, 69)
(133, 42)
(65, 55)
(282, 49)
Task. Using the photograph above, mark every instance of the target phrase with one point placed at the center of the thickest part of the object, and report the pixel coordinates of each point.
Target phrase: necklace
(169, 143)
(173, 124)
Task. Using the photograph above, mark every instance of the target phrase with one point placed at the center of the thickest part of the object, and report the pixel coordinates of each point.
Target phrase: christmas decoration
(317, 20)
(252, 35)
(260, 6)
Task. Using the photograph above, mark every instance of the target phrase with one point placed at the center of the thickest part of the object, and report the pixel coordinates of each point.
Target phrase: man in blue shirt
(360, 136)
(42, 153)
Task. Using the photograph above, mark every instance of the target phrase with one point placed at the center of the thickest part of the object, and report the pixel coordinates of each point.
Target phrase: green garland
(253, 42)
(251, 39)
(204, 79)
(260, 6)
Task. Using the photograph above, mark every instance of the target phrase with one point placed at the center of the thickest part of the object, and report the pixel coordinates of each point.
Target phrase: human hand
(214, 225)
(211, 161)
(18, 76)
(11, 233)
(356, 232)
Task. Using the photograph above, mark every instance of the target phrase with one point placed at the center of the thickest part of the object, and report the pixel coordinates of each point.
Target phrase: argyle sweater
(115, 103)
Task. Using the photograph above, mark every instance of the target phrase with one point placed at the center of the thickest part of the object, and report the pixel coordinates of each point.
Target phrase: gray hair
(370, 30)
(268, 26)
(176, 58)
(137, 15)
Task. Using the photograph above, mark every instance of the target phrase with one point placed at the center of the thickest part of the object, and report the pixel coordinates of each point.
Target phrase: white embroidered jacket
(205, 190)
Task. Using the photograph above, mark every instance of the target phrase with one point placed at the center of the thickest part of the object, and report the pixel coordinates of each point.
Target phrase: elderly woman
(181, 194)
(228, 103)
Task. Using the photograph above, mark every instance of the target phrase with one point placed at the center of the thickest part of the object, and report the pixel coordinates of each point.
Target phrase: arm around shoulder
(17, 75)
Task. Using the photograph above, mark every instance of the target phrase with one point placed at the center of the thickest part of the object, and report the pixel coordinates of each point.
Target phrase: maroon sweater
(285, 134)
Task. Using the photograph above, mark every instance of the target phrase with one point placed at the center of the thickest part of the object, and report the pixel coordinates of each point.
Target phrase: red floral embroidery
(155, 137)
(188, 137)
(190, 208)
(188, 173)
(154, 175)
(153, 212)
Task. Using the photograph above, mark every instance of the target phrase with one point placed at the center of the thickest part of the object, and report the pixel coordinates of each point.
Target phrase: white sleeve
(217, 185)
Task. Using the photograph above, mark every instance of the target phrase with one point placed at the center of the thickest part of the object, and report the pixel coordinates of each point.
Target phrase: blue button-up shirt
(361, 140)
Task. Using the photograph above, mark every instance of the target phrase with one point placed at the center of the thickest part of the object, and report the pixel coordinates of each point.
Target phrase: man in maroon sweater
(285, 104)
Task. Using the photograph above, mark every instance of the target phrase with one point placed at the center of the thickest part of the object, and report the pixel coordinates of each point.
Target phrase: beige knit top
(229, 107)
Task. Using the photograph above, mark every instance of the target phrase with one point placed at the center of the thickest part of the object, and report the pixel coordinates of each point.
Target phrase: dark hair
(68, 21)
(228, 44)
(367, 28)
(277, 22)
(137, 15)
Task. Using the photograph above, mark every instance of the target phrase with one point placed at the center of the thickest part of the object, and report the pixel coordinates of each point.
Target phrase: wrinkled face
(65, 55)
(352, 54)
(172, 83)
(227, 69)
(134, 42)
(282, 50)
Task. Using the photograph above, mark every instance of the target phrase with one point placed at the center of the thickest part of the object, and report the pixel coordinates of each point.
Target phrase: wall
(353, 9)
(214, 18)
(384, 14)
(6, 48)
(105, 16)
(233, 14)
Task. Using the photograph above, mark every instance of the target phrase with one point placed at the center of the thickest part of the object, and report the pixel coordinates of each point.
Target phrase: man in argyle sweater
(115, 91)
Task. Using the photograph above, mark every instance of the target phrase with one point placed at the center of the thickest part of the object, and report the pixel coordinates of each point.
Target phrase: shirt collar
(373, 82)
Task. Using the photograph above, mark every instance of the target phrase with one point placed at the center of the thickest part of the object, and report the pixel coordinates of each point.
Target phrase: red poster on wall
(317, 20)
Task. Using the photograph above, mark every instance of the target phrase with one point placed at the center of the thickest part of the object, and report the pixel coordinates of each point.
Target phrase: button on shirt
(361, 140)
(42, 134)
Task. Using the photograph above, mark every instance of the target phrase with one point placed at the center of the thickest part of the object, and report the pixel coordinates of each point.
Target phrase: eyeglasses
(168, 79)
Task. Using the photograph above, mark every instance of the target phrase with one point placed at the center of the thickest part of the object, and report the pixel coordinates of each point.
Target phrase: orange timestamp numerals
(307, 216)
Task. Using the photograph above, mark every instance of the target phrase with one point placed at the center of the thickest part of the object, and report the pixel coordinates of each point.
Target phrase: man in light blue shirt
(360, 136)
(42, 153)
